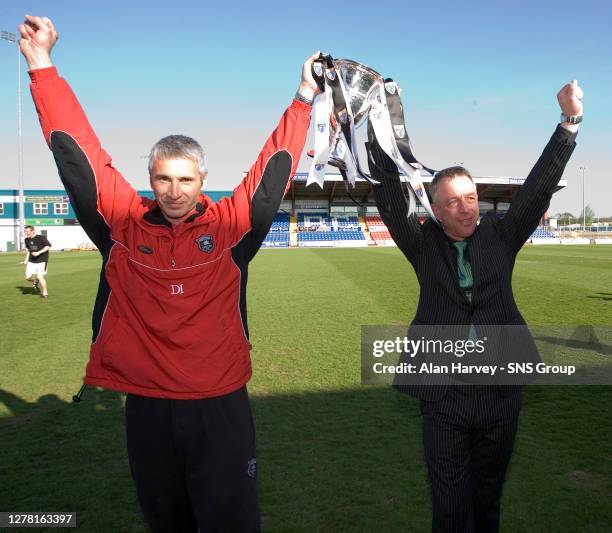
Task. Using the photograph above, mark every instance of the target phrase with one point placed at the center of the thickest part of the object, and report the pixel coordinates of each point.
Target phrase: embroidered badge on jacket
(205, 243)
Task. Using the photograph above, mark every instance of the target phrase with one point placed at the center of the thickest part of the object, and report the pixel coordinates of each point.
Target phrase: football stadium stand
(323, 229)
(378, 231)
(278, 236)
(541, 233)
(332, 215)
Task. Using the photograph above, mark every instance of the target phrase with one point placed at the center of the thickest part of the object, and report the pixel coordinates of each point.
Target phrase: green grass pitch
(333, 455)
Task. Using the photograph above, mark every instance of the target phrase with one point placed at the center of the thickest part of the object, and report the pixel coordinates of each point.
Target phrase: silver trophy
(353, 93)
(358, 82)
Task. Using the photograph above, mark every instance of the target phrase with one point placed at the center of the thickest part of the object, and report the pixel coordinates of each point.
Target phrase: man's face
(176, 184)
(456, 207)
(29, 233)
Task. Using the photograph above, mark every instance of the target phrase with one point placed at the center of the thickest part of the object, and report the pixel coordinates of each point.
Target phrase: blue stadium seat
(541, 233)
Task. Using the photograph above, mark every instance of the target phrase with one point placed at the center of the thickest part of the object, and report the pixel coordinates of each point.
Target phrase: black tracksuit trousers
(193, 463)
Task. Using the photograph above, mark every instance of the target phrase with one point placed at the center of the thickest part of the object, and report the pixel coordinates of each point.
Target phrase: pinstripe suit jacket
(492, 252)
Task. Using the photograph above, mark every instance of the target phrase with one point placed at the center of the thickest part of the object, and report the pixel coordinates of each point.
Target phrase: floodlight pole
(583, 211)
(11, 38)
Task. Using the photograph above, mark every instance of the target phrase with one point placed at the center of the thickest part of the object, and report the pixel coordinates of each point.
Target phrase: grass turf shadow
(350, 460)
(28, 290)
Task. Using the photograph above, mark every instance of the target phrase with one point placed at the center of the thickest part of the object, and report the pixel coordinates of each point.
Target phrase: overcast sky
(479, 79)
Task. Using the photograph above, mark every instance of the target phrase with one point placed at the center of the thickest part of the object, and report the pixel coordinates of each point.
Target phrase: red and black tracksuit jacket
(170, 316)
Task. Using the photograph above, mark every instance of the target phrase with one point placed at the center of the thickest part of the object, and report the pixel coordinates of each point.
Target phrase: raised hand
(38, 36)
(570, 98)
(308, 86)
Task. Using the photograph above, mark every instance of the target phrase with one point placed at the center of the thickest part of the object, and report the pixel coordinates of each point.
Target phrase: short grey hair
(178, 147)
(446, 173)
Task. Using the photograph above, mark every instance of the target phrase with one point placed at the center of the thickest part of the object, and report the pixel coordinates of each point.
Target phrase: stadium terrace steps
(293, 231)
(365, 230)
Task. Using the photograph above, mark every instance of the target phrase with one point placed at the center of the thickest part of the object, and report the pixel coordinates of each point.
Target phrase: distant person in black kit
(36, 259)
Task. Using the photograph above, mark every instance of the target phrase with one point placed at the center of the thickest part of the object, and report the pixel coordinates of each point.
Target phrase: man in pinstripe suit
(464, 267)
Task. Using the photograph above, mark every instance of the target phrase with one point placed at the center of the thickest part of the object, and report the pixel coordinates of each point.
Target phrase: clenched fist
(570, 98)
(38, 36)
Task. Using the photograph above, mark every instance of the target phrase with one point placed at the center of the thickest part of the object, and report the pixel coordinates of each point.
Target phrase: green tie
(466, 281)
(464, 270)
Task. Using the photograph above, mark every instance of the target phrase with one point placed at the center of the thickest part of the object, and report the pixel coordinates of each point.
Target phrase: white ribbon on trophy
(381, 122)
(322, 141)
(329, 139)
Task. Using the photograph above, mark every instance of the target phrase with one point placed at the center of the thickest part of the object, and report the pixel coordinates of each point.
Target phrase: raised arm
(533, 198)
(257, 198)
(99, 194)
(391, 202)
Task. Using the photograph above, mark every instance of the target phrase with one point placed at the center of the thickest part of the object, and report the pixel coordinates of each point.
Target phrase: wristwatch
(571, 119)
(301, 98)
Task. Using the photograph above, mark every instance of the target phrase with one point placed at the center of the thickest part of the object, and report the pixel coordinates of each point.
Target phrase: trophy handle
(318, 68)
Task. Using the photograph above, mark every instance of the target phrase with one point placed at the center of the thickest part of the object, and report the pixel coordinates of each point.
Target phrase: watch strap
(571, 119)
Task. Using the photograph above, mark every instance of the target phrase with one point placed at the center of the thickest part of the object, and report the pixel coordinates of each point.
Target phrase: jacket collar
(155, 216)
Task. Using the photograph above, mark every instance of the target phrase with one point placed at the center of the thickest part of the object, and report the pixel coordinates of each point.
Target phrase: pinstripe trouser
(468, 437)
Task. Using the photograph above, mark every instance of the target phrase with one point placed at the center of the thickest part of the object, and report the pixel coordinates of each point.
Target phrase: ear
(204, 178)
(436, 211)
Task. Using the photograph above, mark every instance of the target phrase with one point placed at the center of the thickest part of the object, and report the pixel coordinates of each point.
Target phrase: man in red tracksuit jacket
(169, 323)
